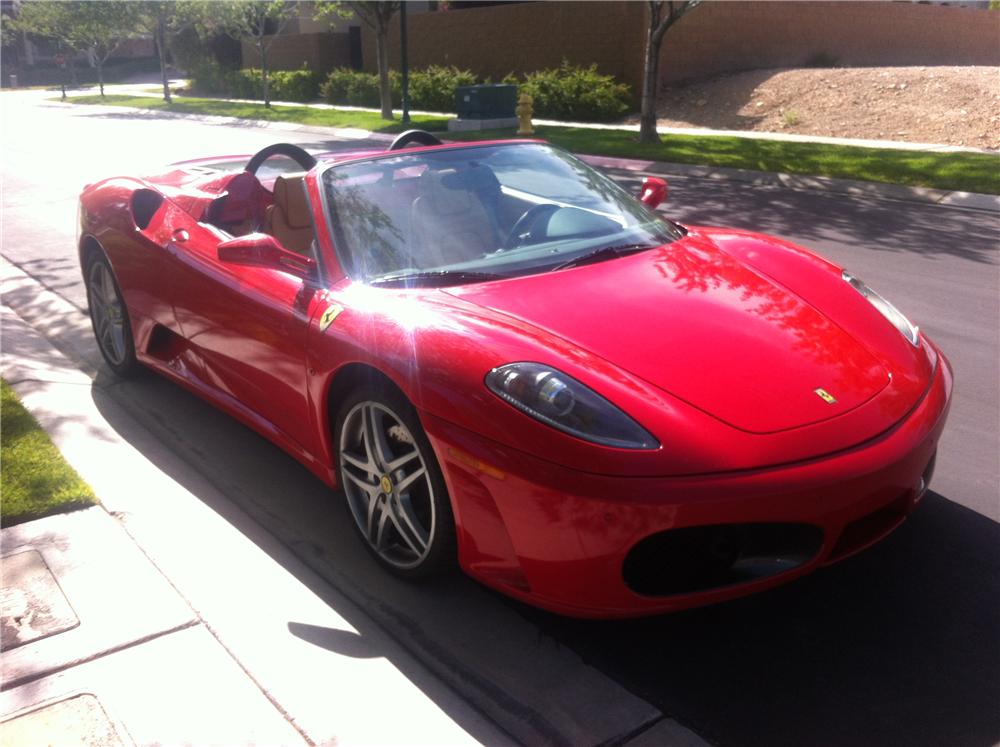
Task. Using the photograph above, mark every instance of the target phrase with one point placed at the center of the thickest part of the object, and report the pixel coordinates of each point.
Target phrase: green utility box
(495, 101)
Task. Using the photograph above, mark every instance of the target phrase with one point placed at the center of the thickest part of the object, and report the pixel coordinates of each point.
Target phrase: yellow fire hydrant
(524, 111)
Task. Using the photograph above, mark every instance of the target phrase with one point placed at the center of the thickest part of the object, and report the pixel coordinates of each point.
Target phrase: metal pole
(404, 62)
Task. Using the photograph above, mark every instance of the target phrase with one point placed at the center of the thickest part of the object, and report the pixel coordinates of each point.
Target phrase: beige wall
(500, 39)
(717, 37)
(728, 36)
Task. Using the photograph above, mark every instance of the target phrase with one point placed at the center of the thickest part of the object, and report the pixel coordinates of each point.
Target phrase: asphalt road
(897, 645)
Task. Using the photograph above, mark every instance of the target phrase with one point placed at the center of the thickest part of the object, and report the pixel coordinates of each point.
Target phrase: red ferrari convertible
(506, 361)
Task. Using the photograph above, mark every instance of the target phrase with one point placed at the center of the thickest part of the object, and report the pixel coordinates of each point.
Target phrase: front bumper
(559, 538)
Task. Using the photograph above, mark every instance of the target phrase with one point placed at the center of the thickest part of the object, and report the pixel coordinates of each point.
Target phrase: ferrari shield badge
(825, 396)
(332, 312)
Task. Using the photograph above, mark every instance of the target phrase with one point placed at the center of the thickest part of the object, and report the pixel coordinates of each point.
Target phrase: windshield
(468, 214)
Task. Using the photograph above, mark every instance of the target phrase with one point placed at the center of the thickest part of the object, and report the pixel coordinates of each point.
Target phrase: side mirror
(263, 250)
(654, 191)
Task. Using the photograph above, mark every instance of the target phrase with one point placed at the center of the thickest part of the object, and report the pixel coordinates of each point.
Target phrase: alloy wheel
(388, 486)
(107, 313)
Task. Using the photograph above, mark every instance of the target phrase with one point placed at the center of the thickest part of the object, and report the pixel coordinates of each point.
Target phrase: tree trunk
(382, 52)
(161, 49)
(100, 75)
(263, 75)
(650, 81)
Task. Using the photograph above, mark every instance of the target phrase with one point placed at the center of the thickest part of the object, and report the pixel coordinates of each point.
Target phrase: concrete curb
(799, 182)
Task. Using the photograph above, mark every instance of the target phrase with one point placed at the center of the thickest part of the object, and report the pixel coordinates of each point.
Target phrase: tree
(162, 19)
(97, 28)
(376, 16)
(658, 25)
(258, 21)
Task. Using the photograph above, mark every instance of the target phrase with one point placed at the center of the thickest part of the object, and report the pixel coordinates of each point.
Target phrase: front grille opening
(692, 559)
(864, 531)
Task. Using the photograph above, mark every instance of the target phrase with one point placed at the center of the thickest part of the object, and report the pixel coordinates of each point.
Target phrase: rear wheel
(109, 317)
(393, 484)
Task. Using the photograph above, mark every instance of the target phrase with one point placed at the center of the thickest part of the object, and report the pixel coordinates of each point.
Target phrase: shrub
(357, 88)
(295, 85)
(208, 77)
(285, 85)
(575, 93)
(433, 89)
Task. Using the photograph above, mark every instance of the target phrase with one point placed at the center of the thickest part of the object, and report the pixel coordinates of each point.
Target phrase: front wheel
(109, 318)
(393, 484)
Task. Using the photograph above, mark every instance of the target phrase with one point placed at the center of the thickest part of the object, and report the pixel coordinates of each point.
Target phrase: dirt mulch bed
(946, 105)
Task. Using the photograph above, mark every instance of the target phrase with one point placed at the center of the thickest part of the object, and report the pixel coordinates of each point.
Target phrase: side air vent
(145, 203)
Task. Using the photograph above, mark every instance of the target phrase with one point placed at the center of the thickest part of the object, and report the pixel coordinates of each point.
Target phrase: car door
(248, 324)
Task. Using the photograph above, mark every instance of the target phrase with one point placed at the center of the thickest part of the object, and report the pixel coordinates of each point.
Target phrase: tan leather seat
(448, 221)
(289, 219)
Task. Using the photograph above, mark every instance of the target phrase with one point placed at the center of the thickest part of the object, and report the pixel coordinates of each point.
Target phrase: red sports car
(505, 360)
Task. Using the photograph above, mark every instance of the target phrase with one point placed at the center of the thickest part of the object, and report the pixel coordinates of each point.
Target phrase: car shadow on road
(461, 633)
(898, 645)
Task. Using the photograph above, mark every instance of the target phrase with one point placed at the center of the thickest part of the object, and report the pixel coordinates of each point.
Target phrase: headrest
(451, 191)
(474, 178)
(290, 196)
(243, 198)
(443, 200)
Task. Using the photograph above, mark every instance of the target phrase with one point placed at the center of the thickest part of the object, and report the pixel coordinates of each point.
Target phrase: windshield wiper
(435, 277)
(607, 252)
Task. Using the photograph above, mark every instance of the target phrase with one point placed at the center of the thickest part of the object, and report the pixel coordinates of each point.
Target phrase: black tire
(410, 529)
(109, 317)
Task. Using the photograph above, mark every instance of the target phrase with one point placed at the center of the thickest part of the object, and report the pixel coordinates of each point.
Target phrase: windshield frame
(339, 244)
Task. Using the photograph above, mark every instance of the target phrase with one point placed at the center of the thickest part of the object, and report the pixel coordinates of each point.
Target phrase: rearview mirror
(263, 250)
(654, 191)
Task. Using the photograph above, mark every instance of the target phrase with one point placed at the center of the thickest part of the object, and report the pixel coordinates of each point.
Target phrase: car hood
(704, 327)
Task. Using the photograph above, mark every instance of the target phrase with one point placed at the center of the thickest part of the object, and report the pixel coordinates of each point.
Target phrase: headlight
(886, 309)
(563, 402)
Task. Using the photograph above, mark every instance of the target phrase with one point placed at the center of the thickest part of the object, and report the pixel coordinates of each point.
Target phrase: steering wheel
(297, 154)
(414, 136)
(525, 225)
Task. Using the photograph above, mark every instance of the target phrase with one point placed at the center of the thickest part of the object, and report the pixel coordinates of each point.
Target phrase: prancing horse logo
(329, 315)
(825, 396)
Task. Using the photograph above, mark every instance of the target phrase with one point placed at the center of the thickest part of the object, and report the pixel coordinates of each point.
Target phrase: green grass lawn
(969, 172)
(35, 480)
(299, 114)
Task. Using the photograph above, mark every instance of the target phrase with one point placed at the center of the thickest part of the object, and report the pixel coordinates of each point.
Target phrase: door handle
(180, 235)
